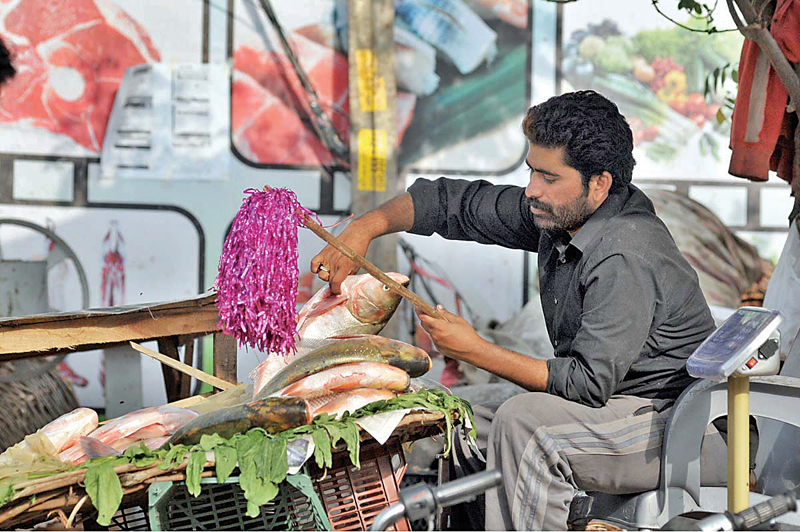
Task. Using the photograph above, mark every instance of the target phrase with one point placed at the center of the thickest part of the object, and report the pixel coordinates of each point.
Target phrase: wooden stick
(373, 270)
(184, 368)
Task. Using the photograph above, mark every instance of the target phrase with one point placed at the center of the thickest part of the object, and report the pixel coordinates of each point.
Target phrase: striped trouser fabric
(547, 447)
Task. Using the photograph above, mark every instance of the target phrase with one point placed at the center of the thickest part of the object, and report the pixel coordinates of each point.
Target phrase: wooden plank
(198, 374)
(100, 331)
(172, 377)
(201, 301)
(225, 353)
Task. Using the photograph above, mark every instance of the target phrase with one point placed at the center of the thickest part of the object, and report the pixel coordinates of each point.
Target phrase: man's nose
(533, 190)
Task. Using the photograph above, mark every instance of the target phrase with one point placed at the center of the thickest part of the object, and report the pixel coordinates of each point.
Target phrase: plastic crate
(350, 498)
(223, 507)
(354, 497)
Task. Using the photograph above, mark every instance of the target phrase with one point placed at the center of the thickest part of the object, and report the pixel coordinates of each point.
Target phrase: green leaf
(176, 454)
(735, 75)
(209, 441)
(194, 470)
(352, 438)
(279, 464)
(720, 116)
(260, 492)
(6, 493)
(322, 448)
(104, 490)
(335, 432)
(225, 459)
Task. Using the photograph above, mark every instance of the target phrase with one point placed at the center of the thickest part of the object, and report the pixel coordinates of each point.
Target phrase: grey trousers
(546, 447)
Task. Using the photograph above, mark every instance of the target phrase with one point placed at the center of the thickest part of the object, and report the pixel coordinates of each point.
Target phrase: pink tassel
(257, 280)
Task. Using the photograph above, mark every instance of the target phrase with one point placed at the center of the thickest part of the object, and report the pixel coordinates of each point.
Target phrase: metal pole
(738, 443)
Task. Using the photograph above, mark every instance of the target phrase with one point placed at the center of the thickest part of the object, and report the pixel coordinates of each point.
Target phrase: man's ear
(600, 185)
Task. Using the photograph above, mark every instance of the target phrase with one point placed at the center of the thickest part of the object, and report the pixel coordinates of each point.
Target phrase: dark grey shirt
(622, 306)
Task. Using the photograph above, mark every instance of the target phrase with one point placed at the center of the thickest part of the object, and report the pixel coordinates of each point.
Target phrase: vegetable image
(656, 77)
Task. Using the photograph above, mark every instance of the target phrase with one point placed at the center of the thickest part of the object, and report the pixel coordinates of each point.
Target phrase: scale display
(730, 346)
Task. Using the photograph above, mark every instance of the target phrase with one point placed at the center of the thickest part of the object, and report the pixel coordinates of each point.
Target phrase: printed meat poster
(71, 56)
(461, 68)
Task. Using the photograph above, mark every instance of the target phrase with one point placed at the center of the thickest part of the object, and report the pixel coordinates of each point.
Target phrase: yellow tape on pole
(373, 147)
(371, 85)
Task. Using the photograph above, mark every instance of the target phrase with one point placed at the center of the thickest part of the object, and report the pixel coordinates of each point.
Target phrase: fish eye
(386, 288)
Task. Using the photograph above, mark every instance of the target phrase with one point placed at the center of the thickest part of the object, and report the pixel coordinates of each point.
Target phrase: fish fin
(94, 448)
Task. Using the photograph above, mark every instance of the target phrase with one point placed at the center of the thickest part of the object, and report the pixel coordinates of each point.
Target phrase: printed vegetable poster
(460, 67)
(71, 56)
(656, 73)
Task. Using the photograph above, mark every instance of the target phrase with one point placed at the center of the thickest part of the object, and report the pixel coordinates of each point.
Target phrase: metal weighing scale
(745, 345)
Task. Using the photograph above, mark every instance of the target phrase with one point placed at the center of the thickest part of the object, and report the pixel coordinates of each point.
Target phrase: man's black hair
(590, 128)
(6, 68)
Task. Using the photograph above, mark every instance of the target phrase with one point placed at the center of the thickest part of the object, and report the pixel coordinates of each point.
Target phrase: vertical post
(225, 354)
(372, 110)
(123, 385)
(738, 443)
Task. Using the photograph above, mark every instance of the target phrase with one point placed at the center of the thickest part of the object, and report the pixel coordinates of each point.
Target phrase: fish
(64, 431)
(451, 27)
(349, 350)
(364, 306)
(168, 418)
(374, 375)
(273, 414)
(338, 403)
(415, 63)
(94, 448)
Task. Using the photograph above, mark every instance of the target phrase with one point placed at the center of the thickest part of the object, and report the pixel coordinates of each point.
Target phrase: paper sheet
(381, 426)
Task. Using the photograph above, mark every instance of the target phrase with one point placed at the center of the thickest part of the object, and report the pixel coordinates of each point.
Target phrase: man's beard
(568, 217)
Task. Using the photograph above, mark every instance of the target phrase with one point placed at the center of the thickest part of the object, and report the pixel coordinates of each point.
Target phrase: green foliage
(261, 457)
(104, 490)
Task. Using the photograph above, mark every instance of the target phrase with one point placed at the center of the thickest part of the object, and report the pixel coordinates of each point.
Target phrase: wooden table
(171, 324)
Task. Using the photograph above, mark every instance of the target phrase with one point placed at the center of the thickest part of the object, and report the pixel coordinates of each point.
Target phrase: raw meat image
(71, 56)
(269, 105)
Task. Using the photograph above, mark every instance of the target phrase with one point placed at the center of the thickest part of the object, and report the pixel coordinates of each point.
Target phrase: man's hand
(332, 266)
(456, 338)
(453, 336)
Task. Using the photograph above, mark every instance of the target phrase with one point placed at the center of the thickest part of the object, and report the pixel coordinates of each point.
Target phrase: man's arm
(456, 209)
(457, 339)
(394, 216)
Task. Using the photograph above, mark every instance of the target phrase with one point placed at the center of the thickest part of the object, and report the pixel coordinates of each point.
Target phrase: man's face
(555, 192)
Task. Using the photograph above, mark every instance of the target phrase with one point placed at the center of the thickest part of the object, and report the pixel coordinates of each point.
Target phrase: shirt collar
(608, 209)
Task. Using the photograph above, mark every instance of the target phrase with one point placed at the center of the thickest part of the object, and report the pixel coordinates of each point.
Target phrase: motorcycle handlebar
(422, 500)
(765, 511)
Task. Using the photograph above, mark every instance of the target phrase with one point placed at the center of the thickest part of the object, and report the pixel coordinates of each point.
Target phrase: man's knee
(533, 409)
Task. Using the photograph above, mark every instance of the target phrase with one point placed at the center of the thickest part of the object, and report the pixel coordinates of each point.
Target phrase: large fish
(349, 350)
(374, 375)
(154, 422)
(274, 414)
(64, 431)
(163, 419)
(364, 306)
(338, 403)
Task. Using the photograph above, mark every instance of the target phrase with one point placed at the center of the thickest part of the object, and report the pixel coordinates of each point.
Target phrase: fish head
(373, 302)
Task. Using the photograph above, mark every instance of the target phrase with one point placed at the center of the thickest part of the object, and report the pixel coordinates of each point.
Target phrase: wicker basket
(30, 404)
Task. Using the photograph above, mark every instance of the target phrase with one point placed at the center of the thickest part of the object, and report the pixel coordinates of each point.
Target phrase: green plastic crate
(223, 507)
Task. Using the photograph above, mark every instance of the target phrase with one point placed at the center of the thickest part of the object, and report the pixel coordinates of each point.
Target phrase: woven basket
(30, 404)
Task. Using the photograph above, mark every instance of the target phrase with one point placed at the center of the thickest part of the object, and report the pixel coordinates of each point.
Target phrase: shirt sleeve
(457, 209)
(618, 311)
